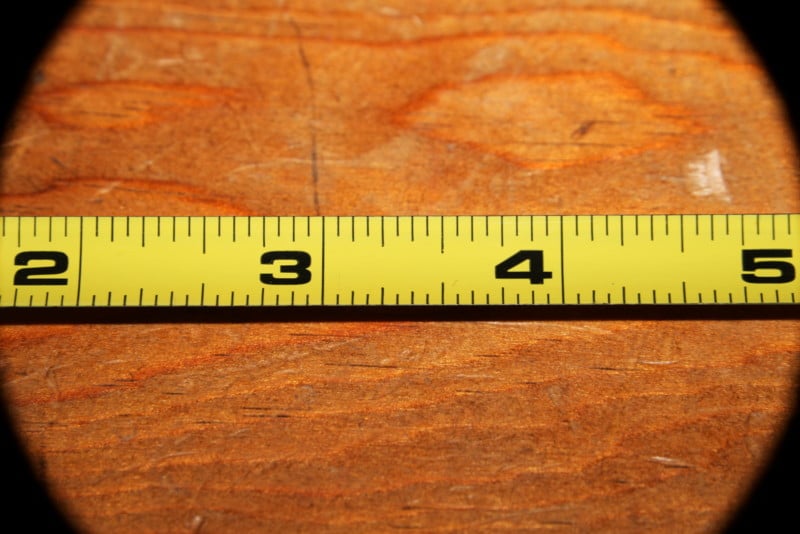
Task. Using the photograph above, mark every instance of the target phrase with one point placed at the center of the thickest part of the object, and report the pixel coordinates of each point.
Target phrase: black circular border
(771, 28)
(24, 33)
(773, 504)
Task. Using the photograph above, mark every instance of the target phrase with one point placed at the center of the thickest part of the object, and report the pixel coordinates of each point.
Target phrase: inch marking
(711, 233)
(441, 232)
(531, 221)
(682, 236)
(322, 260)
(741, 225)
(563, 284)
(772, 221)
(80, 265)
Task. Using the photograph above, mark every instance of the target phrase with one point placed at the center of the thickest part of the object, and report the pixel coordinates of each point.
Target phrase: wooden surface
(224, 422)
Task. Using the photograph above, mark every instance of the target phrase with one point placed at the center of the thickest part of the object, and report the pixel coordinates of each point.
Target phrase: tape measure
(399, 260)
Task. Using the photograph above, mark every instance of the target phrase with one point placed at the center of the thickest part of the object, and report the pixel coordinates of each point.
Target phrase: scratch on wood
(158, 460)
(369, 365)
(22, 141)
(312, 123)
(583, 129)
(50, 378)
(59, 163)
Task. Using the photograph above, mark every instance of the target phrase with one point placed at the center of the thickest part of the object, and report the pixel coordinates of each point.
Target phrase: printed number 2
(752, 261)
(535, 273)
(38, 276)
(300, 262)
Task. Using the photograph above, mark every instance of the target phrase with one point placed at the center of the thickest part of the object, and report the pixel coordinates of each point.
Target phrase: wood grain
(224, 421)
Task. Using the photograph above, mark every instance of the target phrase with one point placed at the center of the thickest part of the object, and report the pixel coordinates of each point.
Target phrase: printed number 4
(535, 273)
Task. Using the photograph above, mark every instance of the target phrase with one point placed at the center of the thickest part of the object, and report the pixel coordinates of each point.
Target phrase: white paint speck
(488, 60)
(388, 11)
(103, 191)
(706, 179)
(197, 523)
(168, 61)
(669, 462)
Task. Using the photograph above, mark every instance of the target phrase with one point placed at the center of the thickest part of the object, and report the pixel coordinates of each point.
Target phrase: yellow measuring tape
(399, 260)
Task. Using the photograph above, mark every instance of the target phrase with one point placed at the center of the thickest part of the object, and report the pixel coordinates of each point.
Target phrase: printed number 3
(300, 262)
(752, 261)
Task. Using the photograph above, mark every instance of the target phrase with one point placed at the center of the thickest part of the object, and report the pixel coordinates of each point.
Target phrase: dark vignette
(23, 36)
(772, 32)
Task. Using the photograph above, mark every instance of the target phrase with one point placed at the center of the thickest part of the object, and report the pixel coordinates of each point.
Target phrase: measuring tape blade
(399, 260)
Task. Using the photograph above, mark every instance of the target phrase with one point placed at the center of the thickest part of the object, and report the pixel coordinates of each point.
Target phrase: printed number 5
(752, 261)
